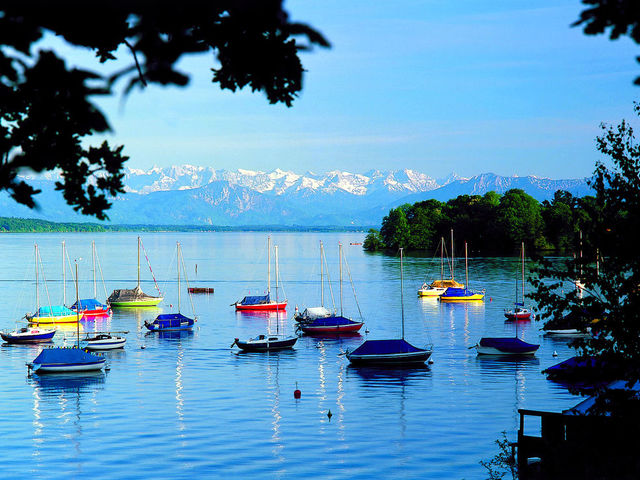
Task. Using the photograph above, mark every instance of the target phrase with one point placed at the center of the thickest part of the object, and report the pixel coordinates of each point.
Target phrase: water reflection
(258, 314)
(389, 375)
(58, 396)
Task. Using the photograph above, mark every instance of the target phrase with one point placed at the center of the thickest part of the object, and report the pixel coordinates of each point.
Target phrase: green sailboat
(134, 297)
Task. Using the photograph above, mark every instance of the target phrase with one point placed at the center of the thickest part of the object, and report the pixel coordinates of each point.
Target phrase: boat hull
(102, 312)
(351, 328)
(505, 346)
(410, 358)
(495, 351)
(138, 303)
(263, 306)
(470, 298)
(28, 338)
(57, 368)
(266, 345)
(56, 319)
(112, 343)
(517, 315)
(431, 292)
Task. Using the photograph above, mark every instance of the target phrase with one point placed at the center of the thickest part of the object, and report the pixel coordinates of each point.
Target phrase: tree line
(490, 223)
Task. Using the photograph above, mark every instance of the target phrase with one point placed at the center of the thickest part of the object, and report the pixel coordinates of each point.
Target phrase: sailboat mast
(77, 309)
(340, 256)
(402, 292)
(275, 248)
(453, 257)
(269, 264)
(64, 279)
(37, 289)
(522, 272)
(321, 274)
(466, 266)
(178, 261)
(93, 263)
(138, 262)
(441, 259)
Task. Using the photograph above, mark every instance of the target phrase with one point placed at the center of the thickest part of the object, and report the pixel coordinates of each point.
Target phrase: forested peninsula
(491, 224)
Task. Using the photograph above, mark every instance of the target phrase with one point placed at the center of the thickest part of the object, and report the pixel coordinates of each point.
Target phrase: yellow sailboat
(455, 294)
(438, 287)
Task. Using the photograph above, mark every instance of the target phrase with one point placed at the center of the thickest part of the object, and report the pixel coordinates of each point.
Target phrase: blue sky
(469, 87)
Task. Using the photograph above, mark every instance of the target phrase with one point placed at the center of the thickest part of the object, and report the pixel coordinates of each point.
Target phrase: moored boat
(134, 297)
(265, 343)
(262, 302)
(464, 294)
(505, 346)
(29, 334)
(62, 359)
(319, 320)
(519, 312)
(90, 307)
(396, 351)
(54, 314)
(104, 341)
(438, 287)
(172, 321)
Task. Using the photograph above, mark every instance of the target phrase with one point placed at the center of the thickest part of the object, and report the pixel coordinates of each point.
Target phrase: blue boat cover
(54, 311)
(330, 321)
(88, 304)
(171, 320)
(457, 292)
(255, 300)
(382, 347)
(507, 345)
(65, 355)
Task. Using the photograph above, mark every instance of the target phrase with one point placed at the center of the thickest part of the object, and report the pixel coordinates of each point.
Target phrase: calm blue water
(188, 406)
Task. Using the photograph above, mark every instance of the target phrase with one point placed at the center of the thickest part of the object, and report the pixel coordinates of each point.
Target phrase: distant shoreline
(31, 225)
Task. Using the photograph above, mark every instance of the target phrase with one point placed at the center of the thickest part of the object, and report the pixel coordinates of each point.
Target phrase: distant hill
(190, 195)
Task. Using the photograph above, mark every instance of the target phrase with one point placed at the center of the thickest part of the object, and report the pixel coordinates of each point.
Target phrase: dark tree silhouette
(618, 17)
(46, 108)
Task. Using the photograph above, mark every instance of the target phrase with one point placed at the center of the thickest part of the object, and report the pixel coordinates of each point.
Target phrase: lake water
(188, 406)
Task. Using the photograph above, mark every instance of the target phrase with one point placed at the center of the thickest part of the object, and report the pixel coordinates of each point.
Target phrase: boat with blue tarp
(61, 359)
(462, 294)
(263, 302)
(54, 314)
(395, 351)
(172, 321)
(91, 307)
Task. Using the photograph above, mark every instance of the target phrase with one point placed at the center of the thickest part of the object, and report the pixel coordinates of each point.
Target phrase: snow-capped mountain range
(195, 195)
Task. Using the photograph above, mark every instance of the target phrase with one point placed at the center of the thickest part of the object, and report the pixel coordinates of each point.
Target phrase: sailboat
(312, 323)
(519, 312)
(64, 359)
(172, 321)
(396, 351)
(262, 302)
(438, 287)
(134, 297)
(266, 343)
(52, 313)
(464, 294)
(91, 307)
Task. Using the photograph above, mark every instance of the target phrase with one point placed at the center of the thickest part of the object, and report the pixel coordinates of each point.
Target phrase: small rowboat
(200, 290)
